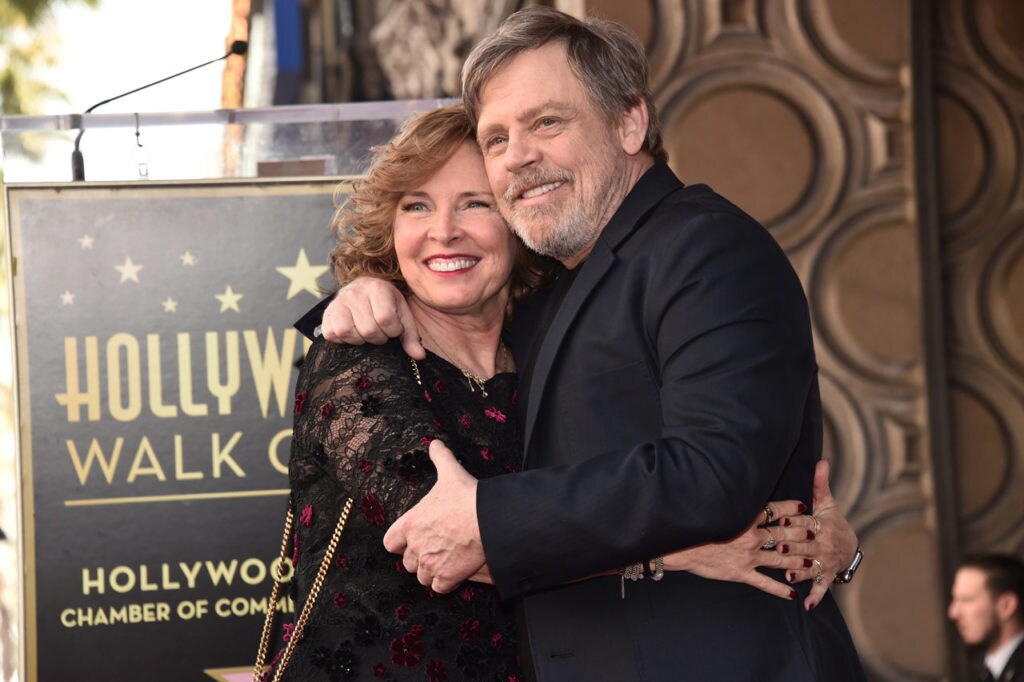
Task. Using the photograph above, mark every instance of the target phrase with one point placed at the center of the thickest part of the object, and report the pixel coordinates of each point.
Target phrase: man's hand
(483, 576)
(439, 538)
(372, 310)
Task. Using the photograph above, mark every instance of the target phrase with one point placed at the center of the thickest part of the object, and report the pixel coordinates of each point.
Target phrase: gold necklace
(475, 380)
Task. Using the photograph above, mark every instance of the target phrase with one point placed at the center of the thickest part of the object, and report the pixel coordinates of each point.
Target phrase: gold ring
(821, 569)
(771, 540)
(769, 514)
(817, 524)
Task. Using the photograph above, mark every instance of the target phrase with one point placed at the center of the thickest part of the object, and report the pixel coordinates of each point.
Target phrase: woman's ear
(633, 128)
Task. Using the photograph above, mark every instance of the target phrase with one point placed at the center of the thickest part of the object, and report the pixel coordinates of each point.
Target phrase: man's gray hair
(607, 59)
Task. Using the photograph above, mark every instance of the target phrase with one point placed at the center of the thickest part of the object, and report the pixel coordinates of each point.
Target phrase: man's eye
(495, 141)
(548, 121)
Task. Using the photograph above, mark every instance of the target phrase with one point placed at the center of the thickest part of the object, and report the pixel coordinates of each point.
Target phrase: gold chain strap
(314, 592)
(416, 371)
(268, 622)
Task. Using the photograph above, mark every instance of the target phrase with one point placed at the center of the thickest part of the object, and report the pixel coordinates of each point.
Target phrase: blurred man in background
(988, 609)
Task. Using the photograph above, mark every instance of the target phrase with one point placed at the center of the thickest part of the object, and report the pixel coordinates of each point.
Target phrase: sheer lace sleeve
(359, 419)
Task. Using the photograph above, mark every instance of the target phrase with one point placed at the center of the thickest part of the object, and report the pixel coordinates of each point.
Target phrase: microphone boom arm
(78, 161)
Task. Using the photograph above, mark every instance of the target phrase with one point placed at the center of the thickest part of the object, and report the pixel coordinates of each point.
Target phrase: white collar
(997, 660)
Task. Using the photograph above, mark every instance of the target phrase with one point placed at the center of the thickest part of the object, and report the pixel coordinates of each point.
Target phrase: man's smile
(542, 189)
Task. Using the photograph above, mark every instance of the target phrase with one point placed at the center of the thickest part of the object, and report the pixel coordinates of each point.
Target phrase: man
(668, 382)
(988, 609)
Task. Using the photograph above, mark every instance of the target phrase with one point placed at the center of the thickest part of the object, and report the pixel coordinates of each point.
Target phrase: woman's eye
(413, 207)
(478, 203)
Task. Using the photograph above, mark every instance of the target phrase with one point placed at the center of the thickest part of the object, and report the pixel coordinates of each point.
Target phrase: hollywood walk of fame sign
(156, 369)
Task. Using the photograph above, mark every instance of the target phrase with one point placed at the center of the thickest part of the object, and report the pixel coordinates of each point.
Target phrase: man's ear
(633, 128)
(1008, 607)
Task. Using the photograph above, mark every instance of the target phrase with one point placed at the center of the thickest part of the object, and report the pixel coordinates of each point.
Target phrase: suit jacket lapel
(657, 183)
(1014, 667)
(591, 272)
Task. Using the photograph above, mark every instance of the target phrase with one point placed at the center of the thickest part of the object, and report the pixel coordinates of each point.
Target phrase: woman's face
(454, 250)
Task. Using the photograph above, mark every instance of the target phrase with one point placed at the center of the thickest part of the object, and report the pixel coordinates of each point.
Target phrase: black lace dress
(363, 420)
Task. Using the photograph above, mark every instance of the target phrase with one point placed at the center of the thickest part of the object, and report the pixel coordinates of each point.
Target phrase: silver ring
(771, 540)
(769, 514)
(819, 578)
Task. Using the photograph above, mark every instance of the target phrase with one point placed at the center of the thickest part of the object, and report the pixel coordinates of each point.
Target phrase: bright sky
(123, 44)
(119, 46)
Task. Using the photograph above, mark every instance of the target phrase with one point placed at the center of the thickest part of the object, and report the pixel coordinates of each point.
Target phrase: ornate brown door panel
(979, 69)
(802, 113)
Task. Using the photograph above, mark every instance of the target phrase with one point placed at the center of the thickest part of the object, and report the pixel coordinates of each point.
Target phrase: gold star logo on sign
(229, 300)
(129, 271)
(230, 674)
(302, 276)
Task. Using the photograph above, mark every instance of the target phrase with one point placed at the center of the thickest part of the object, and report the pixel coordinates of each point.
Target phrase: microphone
(239, 47)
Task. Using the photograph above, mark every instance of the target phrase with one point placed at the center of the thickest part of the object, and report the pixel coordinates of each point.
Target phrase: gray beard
(568, 238)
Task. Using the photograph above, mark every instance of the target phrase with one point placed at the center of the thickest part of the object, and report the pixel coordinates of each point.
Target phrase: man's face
(973, 608)
(555, 163)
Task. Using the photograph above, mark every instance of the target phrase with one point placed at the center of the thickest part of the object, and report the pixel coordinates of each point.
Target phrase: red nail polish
(810, 535)
(811, 607)
(808, 563)
(791, 576)
(785, 549)
(801, 508)
(792, 594)
(787, 522)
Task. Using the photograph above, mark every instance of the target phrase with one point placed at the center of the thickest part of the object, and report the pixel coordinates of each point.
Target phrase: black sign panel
(156, 369)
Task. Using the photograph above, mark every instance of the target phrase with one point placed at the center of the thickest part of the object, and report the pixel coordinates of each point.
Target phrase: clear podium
(197, 145)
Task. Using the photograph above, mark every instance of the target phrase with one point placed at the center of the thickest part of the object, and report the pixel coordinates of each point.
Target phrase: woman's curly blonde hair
(363, 225)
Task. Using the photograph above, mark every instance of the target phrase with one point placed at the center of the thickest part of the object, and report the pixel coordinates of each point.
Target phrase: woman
(425, 218)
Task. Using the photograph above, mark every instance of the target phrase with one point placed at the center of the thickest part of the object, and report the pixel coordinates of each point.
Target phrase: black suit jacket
(673, 394)
(1013, 672)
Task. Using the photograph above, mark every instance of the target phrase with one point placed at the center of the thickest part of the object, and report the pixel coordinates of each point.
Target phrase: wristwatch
(847, 575)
